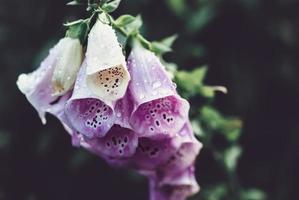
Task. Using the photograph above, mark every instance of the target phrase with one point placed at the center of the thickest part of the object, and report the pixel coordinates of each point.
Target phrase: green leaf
(145, 43)
(163, 46)
(159, 48)
(253, 194)
(168, 41)
(77, 29)
(211, 117)
(111, 6)
(74, 3)
(178, 7)
(73, 23)
(209, 91)
(197, 128)
(230, 128)
(231, 157)
(217, 192)
(200, 19)
(124, 20)
(191, 82)
(134, 26)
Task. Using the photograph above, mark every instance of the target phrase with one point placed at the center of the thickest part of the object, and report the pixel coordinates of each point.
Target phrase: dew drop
(141, 96)
(156, 85)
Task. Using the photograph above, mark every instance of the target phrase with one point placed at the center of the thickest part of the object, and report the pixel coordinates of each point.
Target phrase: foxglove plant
(131, 117)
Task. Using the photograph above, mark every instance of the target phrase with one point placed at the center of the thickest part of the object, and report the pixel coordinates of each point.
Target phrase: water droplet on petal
(156, 84)
(141, 96)
(118, 114)
(174, 85)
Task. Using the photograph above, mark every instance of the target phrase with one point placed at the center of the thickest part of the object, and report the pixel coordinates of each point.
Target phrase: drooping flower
(119, 144)
(67, 66)
(107, 74)
(37, 87)
(153, 152)
(158, 109)
(185, 155)
(89, 115)
(174, 186)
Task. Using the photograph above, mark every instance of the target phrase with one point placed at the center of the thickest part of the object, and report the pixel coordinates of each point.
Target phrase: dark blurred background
(250, 46)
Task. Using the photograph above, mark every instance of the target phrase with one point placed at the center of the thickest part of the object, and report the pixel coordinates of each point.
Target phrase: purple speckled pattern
(151, 153)
(119, 143)
(88, 114)
(157, 107)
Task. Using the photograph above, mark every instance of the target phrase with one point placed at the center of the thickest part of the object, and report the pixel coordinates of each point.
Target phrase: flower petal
(87, 114)
(174, 187)
(67, 66)
(158, 108)
(186, 153)
(151, 153)
(118, 143)
(123, 110)
(107, 74)
(37, 85)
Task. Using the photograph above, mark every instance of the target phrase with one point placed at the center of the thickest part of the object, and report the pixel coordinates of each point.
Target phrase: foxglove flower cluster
(126, 112)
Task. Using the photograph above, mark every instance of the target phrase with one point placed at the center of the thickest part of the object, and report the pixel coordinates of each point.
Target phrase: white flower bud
(67, 65)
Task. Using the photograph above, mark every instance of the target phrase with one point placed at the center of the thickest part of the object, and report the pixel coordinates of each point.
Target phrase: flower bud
(67, 65)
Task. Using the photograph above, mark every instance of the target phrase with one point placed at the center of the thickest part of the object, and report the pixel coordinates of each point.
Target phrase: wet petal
(158, 108)
(37, 85)
(67, 66)
(123, 110)
(107, 74)
(174, 187)
(88, 114)
(118, 143)
(186, 154)
(151, 153)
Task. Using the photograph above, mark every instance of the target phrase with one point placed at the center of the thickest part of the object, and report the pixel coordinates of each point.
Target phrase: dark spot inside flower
(164, 116)
(108, 144)
(157, 123)
(122, 145)
(114, 140)
(116, 80)
(105, 85)
(126, 139)
(119, 141)
(120, 151)
(107, 79)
